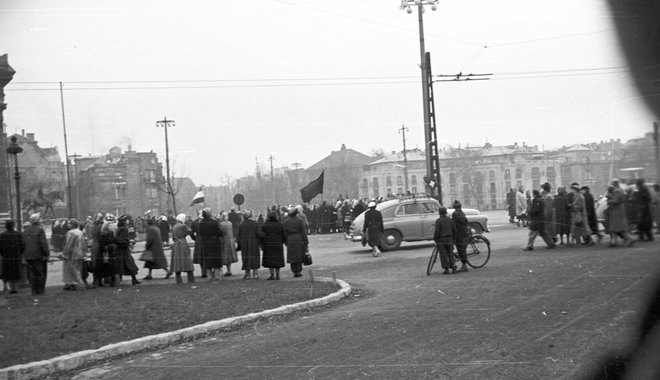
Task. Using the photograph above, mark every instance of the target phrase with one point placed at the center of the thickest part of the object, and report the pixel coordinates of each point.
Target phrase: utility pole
(403, 130)
(272, 184)
(166, 124)
(74, 156)
(66, 154)
(656, 142)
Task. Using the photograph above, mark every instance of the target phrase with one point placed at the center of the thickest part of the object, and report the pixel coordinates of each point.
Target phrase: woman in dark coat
(154, 243)
(125, 262)
(296, 241)
(562, 215)
(372, 228)
(198, 249)
(273, 245)
(645, 224)
(99, 266)
(210, 235)
(108, 248)
(249, 235)
(164, 227)
(11, 251)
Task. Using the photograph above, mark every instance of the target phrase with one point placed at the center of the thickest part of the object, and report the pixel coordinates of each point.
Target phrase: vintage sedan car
(411, 219)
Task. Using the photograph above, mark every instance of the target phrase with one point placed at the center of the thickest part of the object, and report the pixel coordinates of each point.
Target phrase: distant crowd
(574, 216)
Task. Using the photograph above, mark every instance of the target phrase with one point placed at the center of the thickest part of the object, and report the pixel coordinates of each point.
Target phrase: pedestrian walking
(549, 211)
(444, 236)
(164, 227)
(562, 215)
(36, 254)
(511, 204)
(248, 240)
(462, 235)
(580, 230)
(536, 223)
(590, 205)
(372, 228)
(297, 243)
(273, 245)
(154, 243)
(125, 263)
(181, 260)
(11, 252)
(100, 268)
(521, 207)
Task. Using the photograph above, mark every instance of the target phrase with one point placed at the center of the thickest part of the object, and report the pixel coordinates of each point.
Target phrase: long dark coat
(373, 226)
(645, 222)
(562, 214)
(296, 239)
(462, 228)
(590, 205)
(98, 266)
(210, 234)
(273, 244)
(154, 243)
(536, 215)
(11, 250)
(249, 234)
(125, 262)
(164, 227)
(198, 249)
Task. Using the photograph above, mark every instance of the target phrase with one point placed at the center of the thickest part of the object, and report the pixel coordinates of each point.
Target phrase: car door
(408, 221)
(429, 216)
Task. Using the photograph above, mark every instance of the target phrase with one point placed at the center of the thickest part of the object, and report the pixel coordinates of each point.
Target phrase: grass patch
(42, 327)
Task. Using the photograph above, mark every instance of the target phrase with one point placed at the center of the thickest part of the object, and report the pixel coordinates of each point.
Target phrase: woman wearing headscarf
(108, 248)
(249, 235)
(228, 249)
(11, 252)
(181, 260)
(125, 262)
(273, 245)
(296, 241)
(154, 243)
(210, 233)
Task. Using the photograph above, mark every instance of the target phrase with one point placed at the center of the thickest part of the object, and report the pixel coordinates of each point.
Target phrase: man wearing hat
(590, 205)
(462, 234)
(373, 227)
(36, 254)
(444, 237)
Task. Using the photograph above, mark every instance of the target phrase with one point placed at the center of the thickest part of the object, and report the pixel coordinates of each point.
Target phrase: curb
(78, 359)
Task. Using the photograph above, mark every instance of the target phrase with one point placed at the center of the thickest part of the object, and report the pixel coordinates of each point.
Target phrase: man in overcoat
(36, 254)
(462, 235)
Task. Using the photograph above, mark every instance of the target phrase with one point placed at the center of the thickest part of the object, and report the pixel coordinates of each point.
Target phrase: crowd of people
(573, 216)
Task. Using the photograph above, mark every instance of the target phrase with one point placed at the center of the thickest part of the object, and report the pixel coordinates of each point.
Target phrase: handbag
(307, 259)
(147, 255)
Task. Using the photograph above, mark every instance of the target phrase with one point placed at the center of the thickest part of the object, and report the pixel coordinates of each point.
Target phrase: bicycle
(478, 253)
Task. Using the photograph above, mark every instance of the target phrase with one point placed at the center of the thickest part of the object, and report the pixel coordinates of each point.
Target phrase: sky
(296, 79)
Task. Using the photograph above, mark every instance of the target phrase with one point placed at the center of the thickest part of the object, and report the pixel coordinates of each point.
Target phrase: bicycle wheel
(478, 251)
(432, 260)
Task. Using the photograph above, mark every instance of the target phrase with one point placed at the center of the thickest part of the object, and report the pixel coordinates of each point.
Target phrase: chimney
(30, 136)
(23, 132)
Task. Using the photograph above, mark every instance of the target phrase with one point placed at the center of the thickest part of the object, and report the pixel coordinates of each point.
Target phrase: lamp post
(166, 124)
(14, 149)
(407, 5)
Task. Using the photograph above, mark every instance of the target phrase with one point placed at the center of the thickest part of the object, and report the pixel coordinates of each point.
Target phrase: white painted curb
(82, 358)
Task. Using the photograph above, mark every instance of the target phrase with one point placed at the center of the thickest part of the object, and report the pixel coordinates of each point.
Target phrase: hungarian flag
(199, 198)
(312, 189)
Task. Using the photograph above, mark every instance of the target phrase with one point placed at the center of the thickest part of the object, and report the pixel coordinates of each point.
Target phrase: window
(536, 172)
(399, 181)
(388, 181)
(452, 178)
(399, 190)
(374, 183)
(150, 176)
(365, 183)
(507, 174)
(120, 191)
(413, 180)
(152, 192)
(519, 172)
(491, 175)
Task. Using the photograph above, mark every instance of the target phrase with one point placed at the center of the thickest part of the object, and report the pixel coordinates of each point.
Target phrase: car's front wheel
(390, 240)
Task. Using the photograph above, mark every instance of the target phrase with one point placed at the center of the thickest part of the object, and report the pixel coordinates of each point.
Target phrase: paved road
(542, 314)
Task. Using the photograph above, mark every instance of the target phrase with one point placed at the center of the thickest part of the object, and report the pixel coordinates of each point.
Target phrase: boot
(463, 268)
(191, 276)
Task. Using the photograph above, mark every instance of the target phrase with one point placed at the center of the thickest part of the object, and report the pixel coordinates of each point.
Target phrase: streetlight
(165, 124)
(14, 149)
(428, 133)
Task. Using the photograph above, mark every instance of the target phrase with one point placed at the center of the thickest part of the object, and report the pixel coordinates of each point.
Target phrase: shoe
(204, 276)
(135, 281)
(446, 271)
(297, 275)
(67, 287)
(148, 278)
(528, 249)
(227, 274)
(552, 246)
(462, 269)
(13, 291)
(246, 276)
(611, 245)
(169, 274)
(271, 278)
(590, 244)
(256, 277)
(600, 237)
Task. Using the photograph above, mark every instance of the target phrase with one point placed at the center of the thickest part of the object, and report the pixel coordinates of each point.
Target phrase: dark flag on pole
(312, 189)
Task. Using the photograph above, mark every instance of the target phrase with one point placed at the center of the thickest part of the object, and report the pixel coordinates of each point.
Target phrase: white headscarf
(181, 218)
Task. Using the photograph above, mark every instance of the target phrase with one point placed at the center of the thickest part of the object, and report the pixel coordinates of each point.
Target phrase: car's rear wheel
(390, 240)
